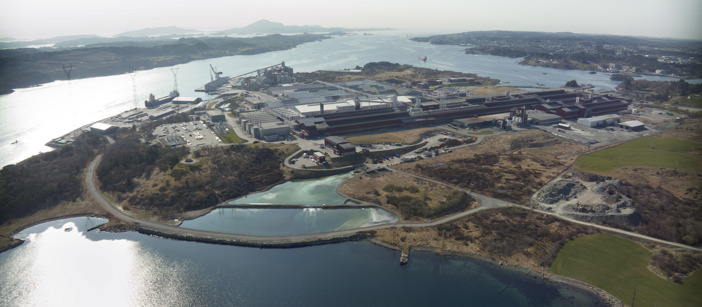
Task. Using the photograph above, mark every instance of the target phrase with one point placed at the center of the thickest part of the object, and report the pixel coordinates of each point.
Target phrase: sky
(32, 19)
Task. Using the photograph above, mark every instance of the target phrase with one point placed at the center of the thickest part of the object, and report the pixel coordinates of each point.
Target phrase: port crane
(258, 71)
(215, 74)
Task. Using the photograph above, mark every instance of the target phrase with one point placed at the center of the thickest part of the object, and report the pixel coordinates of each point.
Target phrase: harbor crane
(215, 74)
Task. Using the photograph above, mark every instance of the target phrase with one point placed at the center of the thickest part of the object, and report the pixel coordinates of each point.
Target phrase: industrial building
(263, 126)
(599, 121)
(480, 121)
(215, 116)
(504, 110)
(161, 113)
(543, 119)
(320, 109)
(633, 125)
(103, 128)
(339, 145)
(570, 106)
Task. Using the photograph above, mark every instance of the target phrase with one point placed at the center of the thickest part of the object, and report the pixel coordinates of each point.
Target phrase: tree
(572, 83)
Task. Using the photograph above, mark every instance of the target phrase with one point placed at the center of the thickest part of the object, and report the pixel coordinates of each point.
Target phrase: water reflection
(77, 268)
(63, 265)
(300, 192)
(288, 222)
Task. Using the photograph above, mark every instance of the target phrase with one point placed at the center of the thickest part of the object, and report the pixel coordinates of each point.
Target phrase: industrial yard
(512, 144)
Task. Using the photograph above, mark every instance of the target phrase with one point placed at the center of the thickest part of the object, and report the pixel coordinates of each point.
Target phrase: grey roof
(336, 139)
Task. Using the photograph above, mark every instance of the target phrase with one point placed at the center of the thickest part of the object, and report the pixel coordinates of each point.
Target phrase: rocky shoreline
(575, 284)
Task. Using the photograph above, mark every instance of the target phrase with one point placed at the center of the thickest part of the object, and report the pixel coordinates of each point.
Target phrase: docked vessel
(153, 102)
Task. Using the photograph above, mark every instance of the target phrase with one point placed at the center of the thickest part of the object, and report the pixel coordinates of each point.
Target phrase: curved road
(238, 239)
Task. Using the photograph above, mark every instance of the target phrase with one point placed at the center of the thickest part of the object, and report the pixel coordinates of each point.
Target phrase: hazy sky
(658, 18)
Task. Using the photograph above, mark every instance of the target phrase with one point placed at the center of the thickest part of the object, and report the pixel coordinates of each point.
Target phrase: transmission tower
(174, 70)
(134, 90)
(67, 69)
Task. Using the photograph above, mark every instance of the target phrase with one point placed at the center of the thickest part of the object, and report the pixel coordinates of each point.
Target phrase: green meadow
(648, 151)
(619, 266)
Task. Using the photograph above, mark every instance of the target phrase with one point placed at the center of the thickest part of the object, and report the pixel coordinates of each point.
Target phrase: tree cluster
(46, 179)
(665, 216)
(676, 266)
(662, 90)
(222, 173)
(129, 158)
(417, 206)
(571, 83)
(514, 231)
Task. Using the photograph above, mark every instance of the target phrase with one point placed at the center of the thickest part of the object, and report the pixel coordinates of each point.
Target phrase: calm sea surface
(63, 265)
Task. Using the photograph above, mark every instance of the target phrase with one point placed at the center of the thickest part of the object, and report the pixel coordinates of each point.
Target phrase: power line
(134, 89)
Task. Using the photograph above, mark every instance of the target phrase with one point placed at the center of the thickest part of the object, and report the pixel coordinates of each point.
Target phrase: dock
(404, 256)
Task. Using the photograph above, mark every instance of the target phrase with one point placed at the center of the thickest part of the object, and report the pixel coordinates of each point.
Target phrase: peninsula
(596, 53)
(515, 177)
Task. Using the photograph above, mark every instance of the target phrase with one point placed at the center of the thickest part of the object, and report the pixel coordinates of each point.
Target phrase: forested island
(31, 66)
(605, 53)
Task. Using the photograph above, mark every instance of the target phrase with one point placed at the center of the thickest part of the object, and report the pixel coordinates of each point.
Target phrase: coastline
(573, 284)
(570, 283)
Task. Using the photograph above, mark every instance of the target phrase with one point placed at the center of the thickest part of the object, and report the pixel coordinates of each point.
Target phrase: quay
(404, 256)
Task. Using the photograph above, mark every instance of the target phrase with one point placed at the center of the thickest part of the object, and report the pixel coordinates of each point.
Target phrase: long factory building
(322, 109)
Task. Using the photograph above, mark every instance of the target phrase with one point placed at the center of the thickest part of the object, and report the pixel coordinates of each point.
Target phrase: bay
(62, 264)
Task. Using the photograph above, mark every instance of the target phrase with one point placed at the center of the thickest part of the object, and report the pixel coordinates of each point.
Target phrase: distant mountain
(158, 31)
(270, 27)
(45, 41)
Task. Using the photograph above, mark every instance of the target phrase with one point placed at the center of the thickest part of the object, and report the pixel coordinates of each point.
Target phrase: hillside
(27, 67)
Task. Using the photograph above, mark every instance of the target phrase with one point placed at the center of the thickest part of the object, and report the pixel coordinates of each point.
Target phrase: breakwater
(280, 242)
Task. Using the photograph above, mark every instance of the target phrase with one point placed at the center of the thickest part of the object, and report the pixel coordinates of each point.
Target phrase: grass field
(654, 152)
(693, 102)
(232, 138)
(619, 266)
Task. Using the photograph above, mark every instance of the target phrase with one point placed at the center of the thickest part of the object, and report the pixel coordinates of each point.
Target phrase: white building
(599, 121)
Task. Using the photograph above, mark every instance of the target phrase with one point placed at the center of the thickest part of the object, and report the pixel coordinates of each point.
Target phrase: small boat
(424, 58)
(15, 142)
(67, 229)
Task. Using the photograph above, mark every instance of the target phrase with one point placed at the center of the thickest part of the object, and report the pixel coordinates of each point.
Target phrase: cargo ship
(153, 102)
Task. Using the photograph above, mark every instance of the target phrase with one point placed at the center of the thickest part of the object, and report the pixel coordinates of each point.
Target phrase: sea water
(62, 264)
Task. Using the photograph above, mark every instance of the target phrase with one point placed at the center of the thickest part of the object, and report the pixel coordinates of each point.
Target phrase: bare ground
(513, 236)
(508, 166)
(369, 188)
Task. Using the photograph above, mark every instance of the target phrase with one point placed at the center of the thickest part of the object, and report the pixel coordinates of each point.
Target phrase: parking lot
(193, 134)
